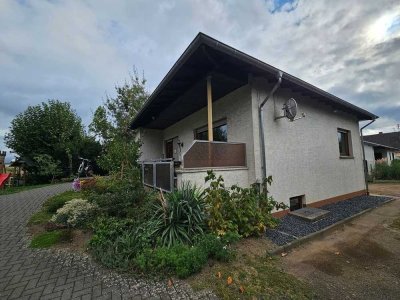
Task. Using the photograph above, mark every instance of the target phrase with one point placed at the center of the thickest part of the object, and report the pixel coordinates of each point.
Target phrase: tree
(52, 129)
(111, 124)
(46, 166)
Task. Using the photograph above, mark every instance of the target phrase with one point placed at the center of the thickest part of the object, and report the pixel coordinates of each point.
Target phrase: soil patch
(390, 189)
(357, 261)
(78, 240)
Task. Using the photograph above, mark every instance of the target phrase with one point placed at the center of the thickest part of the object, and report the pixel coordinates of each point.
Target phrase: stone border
(326, 230)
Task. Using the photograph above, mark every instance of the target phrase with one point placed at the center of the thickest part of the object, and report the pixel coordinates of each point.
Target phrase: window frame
(348, 140)
(218, 123)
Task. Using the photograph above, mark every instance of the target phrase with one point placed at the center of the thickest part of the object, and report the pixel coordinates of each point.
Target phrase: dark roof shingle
(391, 139)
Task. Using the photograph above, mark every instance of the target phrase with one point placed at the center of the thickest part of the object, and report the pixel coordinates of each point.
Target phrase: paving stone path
(58, 274)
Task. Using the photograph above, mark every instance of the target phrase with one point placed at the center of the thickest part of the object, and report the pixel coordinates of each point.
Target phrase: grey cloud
(78, 50)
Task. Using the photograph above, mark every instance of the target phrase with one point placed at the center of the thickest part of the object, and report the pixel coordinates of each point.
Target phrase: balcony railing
(204, 154)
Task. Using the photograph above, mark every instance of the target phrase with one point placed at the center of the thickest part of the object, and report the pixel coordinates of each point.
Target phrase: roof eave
(211, 42)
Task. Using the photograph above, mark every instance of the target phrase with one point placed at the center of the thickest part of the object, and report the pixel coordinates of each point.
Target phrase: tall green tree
(111, 124)
(51, 128)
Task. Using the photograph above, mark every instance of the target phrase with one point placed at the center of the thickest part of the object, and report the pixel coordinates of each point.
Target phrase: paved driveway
(56, 274)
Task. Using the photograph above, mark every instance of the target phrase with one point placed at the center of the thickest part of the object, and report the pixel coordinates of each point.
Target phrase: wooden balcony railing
(204, 154)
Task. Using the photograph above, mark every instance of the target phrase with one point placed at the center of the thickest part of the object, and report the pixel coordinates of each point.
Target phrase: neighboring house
(313, 161)
(390, 139)
(377, 153)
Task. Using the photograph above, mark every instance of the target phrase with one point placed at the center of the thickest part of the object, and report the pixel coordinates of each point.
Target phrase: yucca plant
(179, 216)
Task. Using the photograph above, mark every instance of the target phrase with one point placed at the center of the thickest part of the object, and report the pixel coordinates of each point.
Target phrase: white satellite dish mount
(290, 111)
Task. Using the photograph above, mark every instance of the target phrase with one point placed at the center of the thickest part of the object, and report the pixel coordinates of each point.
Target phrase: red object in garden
(4, 178)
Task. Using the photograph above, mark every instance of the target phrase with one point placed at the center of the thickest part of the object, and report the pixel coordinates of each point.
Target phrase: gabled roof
(182, 91)
(381, 146)
(390, 139)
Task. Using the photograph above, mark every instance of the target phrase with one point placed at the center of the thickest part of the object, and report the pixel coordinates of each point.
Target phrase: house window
(344, 142)
(220, 132)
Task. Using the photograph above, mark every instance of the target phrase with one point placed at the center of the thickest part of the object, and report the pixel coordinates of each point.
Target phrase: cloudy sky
(78, 50)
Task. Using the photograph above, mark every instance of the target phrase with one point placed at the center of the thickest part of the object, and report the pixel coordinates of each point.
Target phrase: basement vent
(297, 202)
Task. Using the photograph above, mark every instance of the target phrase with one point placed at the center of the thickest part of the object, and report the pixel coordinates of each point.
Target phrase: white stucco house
(378, 153)
(221, 109)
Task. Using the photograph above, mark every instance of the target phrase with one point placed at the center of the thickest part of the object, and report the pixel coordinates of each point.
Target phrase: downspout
(365, 167)
(261, 120)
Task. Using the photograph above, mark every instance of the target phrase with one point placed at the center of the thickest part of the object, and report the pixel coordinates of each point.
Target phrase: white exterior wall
(234, 107)
(152, 144)
(390, 155)
(369, 157)
(303, 156)
(232, 176)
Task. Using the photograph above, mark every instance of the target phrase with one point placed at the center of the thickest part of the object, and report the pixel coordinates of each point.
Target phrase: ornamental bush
(75, 213)
(179, 216)
(183, 260)
(116, 197)
(383, 171)
(116, 242)
(244, 211)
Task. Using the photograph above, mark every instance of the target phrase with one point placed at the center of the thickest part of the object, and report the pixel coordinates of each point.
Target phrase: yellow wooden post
(209, 110)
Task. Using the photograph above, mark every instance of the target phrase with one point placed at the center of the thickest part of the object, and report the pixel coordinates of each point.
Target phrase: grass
(48, 239)
(253, 276)
(22, 188)
(52, 204)
(41, 217)
(50, 207)
(386, 181)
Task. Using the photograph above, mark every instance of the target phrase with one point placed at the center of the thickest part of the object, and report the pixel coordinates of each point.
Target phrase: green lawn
(48, 239)
(51, 205)
(16, 189)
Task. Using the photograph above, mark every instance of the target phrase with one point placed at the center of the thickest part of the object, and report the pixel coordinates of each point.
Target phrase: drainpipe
(365, 167)
(261, 120)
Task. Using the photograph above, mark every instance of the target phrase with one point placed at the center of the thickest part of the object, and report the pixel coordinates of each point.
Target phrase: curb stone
(326, 230)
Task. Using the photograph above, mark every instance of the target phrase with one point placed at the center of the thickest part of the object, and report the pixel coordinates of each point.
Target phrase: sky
(77, 51)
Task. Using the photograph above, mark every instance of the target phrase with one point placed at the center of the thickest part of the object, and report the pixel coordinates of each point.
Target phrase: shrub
(244, 211)
(385, 172)
(215, 247)
(117, 241)
(116, 198)
(54, 203)
(75, 213)
(179, 216)
(183, 260)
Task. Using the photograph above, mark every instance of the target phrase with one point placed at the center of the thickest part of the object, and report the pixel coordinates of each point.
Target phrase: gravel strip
(297, 227)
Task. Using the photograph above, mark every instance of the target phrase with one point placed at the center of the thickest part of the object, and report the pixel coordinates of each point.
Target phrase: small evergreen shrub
(116, 198)
(116, 242)
(75, 213)
(54, 203)
(383, 171)
(183, 260)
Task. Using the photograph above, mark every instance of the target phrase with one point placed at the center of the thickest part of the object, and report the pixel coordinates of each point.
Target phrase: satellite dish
(290, 109)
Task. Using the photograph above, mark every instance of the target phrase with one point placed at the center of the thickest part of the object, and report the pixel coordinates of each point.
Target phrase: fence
(158, 174)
